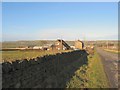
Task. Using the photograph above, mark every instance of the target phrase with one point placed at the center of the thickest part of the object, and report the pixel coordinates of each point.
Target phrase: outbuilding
(79, 44)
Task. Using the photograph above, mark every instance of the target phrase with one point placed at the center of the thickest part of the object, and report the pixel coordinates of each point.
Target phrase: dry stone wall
(41, 72)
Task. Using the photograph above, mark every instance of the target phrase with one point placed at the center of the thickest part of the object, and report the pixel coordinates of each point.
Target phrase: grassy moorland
(91, 75)
(20, 55)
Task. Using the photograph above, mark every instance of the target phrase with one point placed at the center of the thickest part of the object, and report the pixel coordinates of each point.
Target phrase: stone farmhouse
(79, 44)
(60, 45)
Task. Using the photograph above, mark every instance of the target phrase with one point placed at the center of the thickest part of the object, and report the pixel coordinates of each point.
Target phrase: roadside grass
(79, 79)
(96, 73)
(90, 76)
(20, 55)
(112, 51)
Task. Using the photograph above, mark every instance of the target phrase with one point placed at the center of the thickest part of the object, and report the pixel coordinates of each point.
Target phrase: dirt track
(110, 63)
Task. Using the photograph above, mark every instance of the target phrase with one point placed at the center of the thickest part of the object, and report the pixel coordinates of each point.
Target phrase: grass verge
(91, 75)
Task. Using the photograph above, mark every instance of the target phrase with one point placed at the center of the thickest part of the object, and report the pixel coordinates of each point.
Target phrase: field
(90, 76)
(14, 44)
(112, 51)
(20, 55)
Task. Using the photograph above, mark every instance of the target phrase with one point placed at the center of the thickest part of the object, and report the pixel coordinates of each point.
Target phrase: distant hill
(14, 44)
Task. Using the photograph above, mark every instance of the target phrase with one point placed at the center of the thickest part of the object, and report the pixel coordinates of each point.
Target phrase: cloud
(64, 33)
(55, 33)
(105, 37)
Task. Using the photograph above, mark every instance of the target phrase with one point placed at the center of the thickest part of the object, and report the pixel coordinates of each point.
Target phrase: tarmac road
(110, 63)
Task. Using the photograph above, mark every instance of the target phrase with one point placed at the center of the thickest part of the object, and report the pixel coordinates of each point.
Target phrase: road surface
(110, 63)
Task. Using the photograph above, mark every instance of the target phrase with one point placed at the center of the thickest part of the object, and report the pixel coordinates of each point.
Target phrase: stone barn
(60, 45)
(79, 44)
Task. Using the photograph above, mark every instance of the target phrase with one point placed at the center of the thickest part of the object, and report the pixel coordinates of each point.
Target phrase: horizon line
(59, 38)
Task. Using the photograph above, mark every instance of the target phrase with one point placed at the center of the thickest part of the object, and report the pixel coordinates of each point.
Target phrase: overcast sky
(69, 21)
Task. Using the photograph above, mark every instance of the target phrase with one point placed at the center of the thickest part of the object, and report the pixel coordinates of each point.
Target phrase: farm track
(110, 63)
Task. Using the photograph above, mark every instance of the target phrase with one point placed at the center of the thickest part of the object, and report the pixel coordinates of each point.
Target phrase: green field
(20, 55)
(90, 76)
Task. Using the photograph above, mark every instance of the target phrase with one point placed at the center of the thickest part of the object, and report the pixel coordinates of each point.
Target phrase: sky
(60, 0)
(65, 20)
